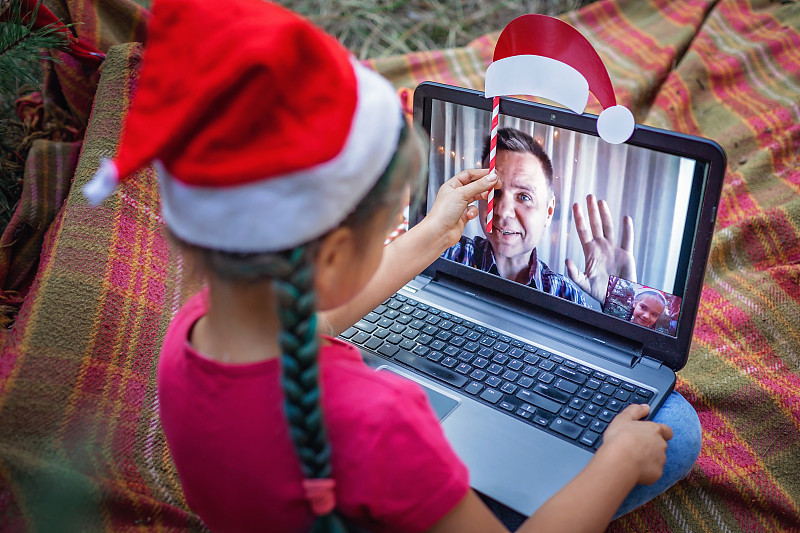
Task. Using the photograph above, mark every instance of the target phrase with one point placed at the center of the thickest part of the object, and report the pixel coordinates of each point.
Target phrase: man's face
(523, 205)
(647, 310)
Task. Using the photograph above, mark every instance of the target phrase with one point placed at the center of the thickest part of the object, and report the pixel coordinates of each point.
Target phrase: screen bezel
(704, 198)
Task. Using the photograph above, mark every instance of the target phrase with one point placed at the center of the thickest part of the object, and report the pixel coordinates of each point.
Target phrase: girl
(282, 165)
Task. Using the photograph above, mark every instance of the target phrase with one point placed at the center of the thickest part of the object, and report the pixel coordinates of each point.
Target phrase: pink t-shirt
(228, 435)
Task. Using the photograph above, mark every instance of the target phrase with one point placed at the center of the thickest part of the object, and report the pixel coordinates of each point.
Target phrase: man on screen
(524, 204)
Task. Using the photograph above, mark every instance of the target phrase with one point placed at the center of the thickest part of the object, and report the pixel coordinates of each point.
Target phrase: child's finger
(472, 191)
(470, 175)
(636, 411)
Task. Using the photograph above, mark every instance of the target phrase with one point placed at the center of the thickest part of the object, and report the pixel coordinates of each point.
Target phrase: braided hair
(292, 274)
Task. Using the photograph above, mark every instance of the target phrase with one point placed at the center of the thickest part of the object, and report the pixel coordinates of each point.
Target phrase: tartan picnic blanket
(81, 446)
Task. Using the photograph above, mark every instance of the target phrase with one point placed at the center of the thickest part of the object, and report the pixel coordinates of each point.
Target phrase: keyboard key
(600, 399)
(539, 401)
(591, 410)
(570, 364)
(495, 369)
(473, 335)
(515, 365)
(492, 333)
(500, 358)
(430, 330)
(411, 333)
(487, 341)
(614, 381)
(380, 309)
(492, 396)
(557, 359)
(606, 415)
(474, 388)
(505, 338)
(417, 324)
(478, 374)
(608, 389)
(421, 351)
(551, 392)
(349, 332)
(516, 344)
(589, 438)
(407, 344)
(509, 388)
(419, 313)
(644, 392)
(540, 418)
(599, 375)
(397, 328)
(388, 349)
(585, 393)
(615, 405)
(530, 370)
(434, 311)
(466, 356)
(566, 385)
(435, 356)
(510, 375)
(508, 406)
(531, 359)
(431, 369)
(373, 343)
(568, 413)
(433, 319)
(572, 375)
(583, 420)
(451, 350)
(501, 347)
(381, 333)
(437, 345)
(446, 325)
(400, 298)
(459, 330)
(628, 387)
(366, 327)
(456, 320)
(525, 382)
(523, 413)
(463, 368)
(622, 395)
(360, 337)
(598, 426)
(444, 335)
(485, 352)
(449, 362)
(547, 365)
(394, 304)
(471, 346)
(566, 428)
(593, 384)
(480, 362)
(546, 377)
(385, 322)
(585, 369)
(371, 317)
(403, 319)
(577, 403)
(493, 381)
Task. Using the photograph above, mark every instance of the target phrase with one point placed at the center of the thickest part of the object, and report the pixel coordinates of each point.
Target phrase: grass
(379, 28)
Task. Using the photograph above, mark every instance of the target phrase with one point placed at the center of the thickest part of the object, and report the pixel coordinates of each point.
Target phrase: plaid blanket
(80, 438)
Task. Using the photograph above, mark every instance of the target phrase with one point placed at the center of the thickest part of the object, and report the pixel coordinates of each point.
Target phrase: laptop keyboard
(554, 393)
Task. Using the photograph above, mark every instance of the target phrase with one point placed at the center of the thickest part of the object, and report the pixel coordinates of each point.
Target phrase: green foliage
(21, 46)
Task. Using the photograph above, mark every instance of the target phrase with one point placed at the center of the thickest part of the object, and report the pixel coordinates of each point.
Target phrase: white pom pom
(103, 183)
(615, 124)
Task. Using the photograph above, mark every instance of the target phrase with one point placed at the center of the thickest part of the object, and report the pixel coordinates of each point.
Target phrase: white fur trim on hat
(103, 183)
(539, 76)
(281, 213)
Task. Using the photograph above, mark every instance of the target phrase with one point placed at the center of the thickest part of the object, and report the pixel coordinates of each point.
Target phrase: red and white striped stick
(492, 154)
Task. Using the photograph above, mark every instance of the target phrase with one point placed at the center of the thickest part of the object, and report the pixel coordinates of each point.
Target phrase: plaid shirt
(479, 254)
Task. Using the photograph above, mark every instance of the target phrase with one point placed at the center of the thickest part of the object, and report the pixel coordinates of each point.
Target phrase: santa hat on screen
(543, 56)
(264, 130)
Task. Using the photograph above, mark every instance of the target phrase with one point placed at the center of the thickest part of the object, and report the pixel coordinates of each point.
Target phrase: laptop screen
(566, 198)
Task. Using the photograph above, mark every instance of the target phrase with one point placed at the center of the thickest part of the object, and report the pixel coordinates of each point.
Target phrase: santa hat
(265, 132)
(543, 56)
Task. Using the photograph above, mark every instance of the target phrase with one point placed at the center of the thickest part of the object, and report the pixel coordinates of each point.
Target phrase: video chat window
(653, 188)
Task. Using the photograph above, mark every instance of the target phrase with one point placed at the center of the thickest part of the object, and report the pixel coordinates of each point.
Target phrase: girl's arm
(411, 253)
(633, 451)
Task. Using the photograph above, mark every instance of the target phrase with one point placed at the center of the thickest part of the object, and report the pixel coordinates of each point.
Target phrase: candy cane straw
(492, 154)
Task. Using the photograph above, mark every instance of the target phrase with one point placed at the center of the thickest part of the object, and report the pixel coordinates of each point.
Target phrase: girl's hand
(638, 444)
(452, 210)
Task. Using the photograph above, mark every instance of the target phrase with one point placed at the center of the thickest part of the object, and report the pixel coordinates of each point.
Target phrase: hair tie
(320, 495)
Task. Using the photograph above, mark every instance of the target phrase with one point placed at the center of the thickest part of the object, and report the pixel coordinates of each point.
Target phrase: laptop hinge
(649, 361)
(417, 284)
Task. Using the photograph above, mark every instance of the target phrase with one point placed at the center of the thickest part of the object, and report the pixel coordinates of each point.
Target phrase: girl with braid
(282, 164)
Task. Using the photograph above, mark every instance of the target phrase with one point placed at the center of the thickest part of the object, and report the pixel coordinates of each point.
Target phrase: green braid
(294, 291)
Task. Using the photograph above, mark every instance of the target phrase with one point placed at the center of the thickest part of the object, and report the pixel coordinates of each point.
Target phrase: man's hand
(602, 255)
(452, 210)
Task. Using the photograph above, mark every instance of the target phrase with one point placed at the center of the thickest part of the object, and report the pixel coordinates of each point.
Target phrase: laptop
(525, 381)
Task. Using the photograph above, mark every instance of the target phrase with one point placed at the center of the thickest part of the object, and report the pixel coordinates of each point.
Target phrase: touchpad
(442, 404)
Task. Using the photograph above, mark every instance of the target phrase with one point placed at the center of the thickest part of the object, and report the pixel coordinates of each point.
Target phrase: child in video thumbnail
(642, 305)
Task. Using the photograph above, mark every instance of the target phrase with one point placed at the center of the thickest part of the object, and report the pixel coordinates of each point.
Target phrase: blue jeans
(682, 452)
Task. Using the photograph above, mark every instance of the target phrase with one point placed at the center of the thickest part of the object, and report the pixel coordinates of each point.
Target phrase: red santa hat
(264, 131)
(543, 56)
